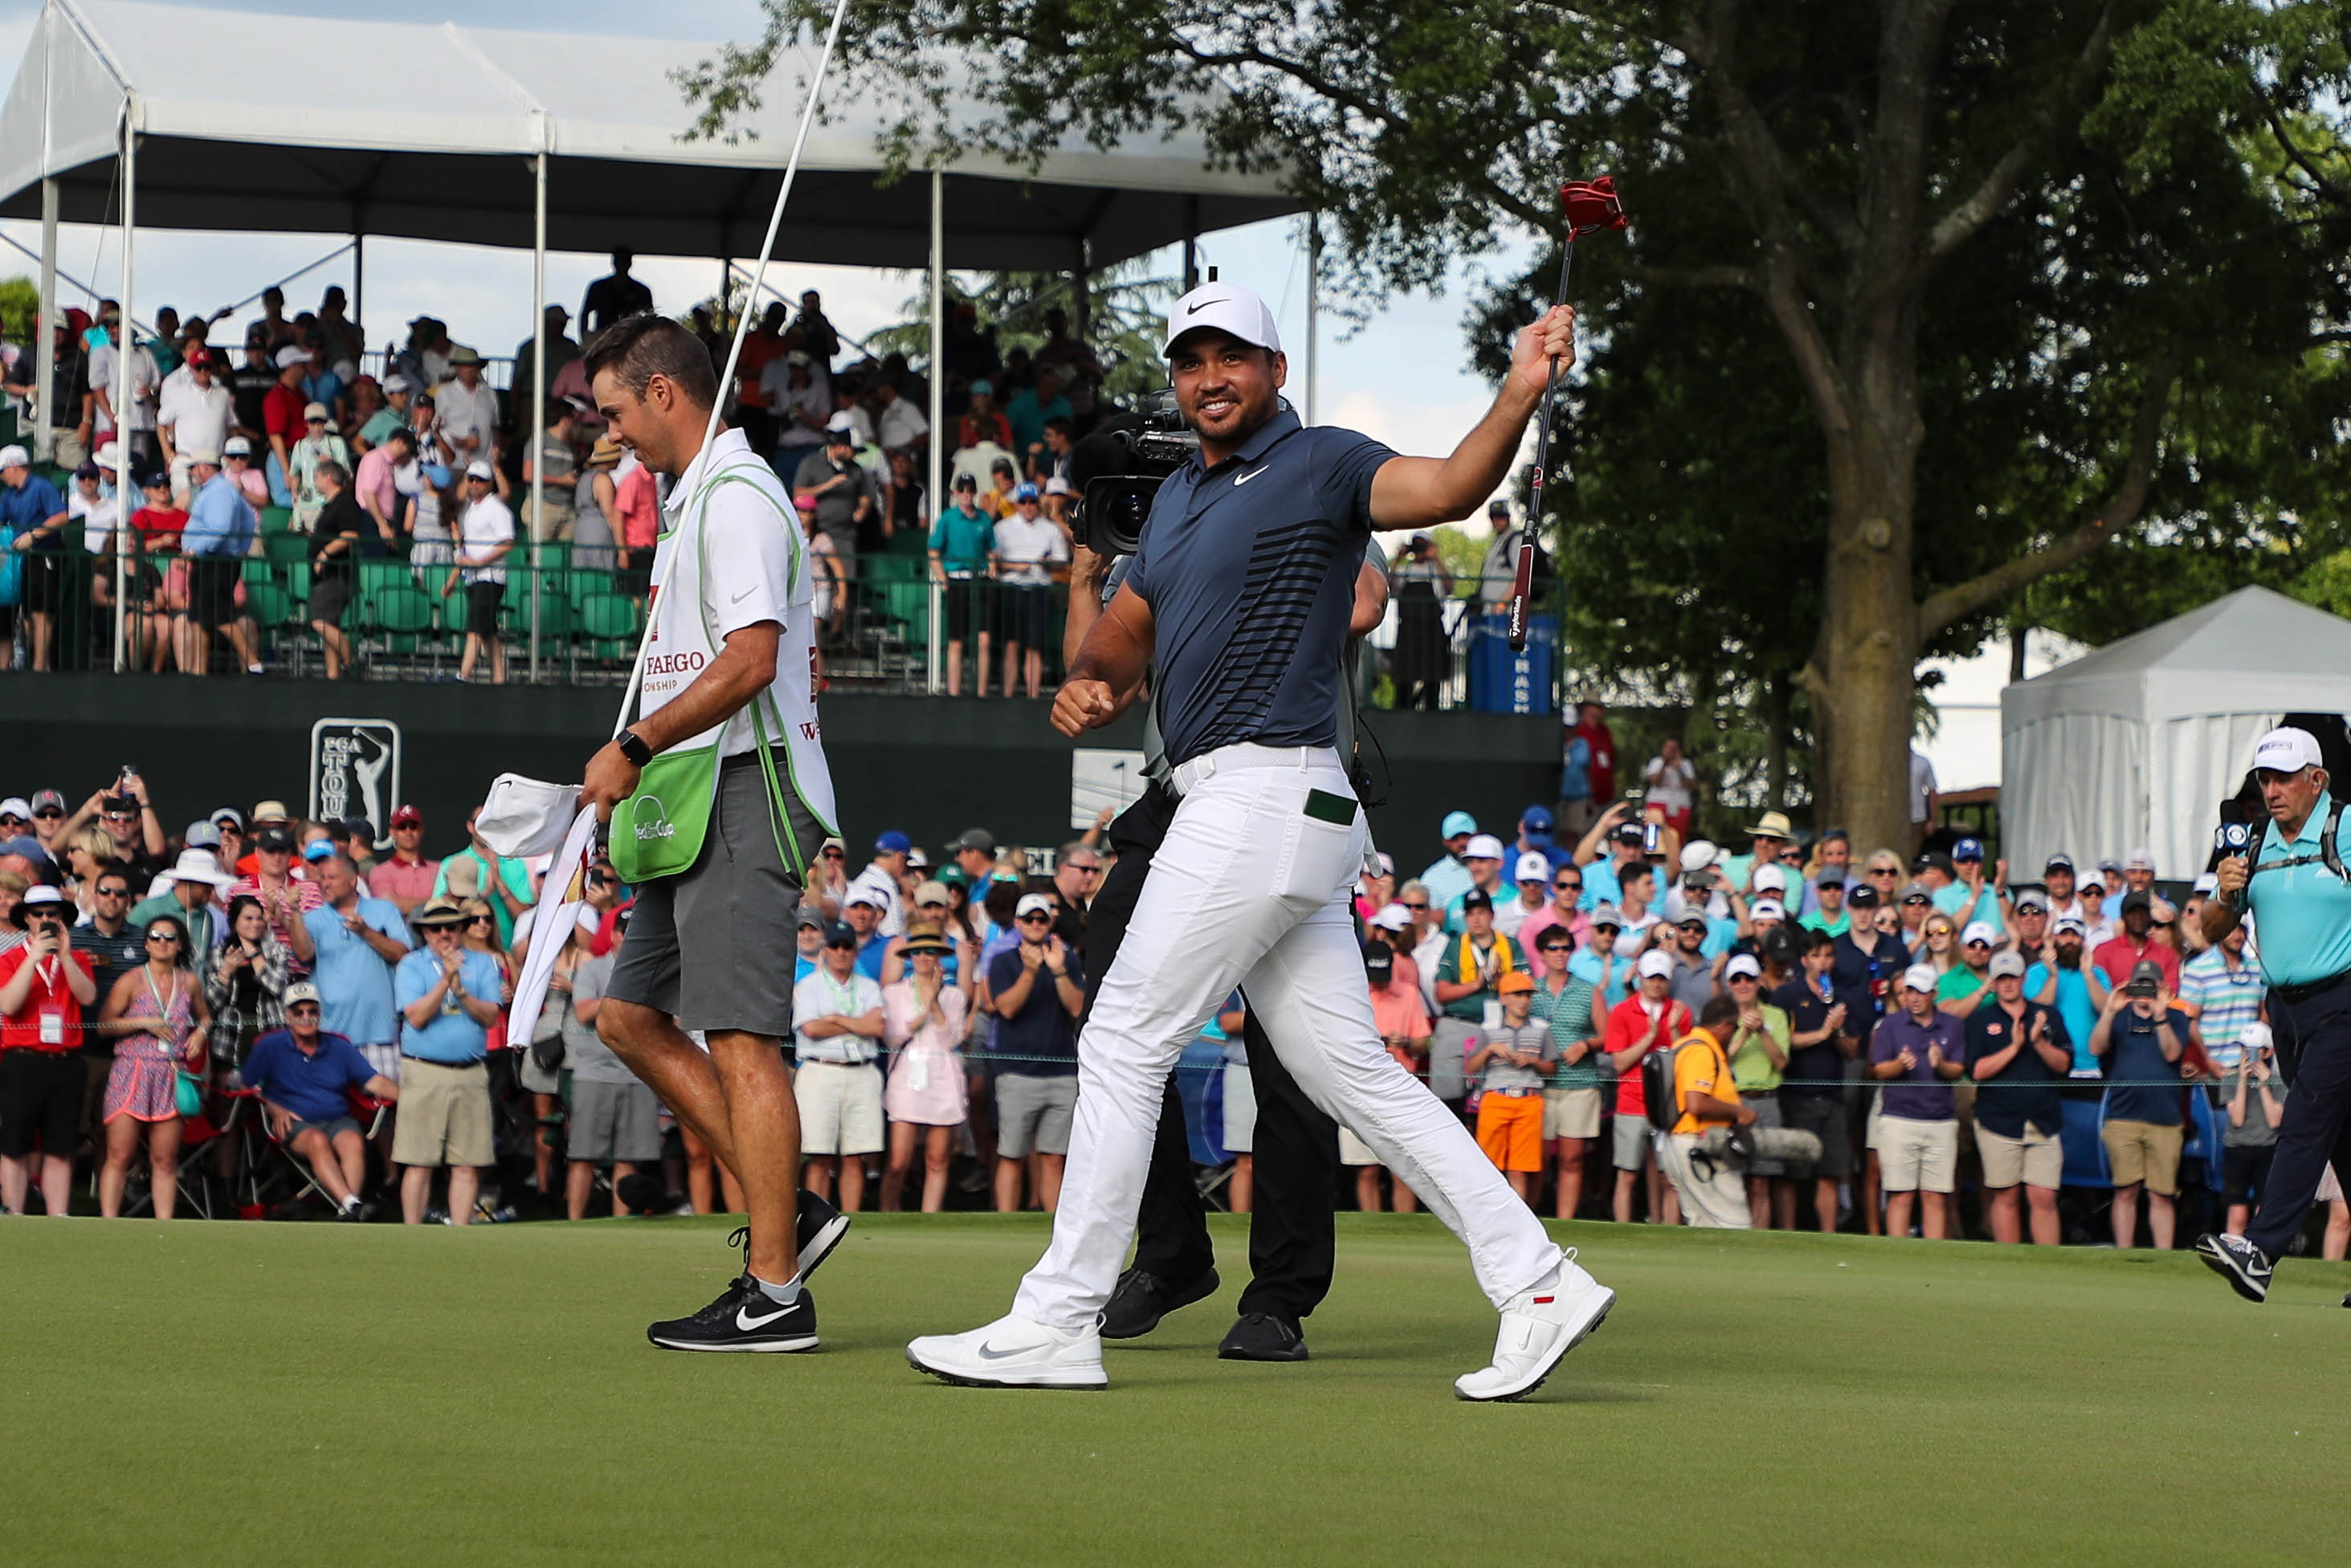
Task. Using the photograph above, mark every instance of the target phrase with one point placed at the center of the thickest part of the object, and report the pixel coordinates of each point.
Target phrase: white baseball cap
(15, 457)
(2256, 1036)
(477, 469)
(1393, 917)
(236, 447)
(841, 420)
(1768, 876)
(1920, 977)
(1655, 961)
(17, 806)
(1697, 854)
(2287, 750)
(1484, 847)
(1227, 307)
(2208, 882)
(1767, 909)
(1980, 931)
(2140, 859)
(292, 354)
(1534, 867)
(1032, 904)
(867, 896)
(1742, 964)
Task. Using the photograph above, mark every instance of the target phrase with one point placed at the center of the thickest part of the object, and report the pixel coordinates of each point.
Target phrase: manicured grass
(373, 1395)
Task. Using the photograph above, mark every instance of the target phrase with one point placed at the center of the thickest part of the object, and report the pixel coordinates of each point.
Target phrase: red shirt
(637, 501)
(151, 521)
(1602, 769)
(281, 413)
(49, 1007)
(2115, 958)
(1629, 1024)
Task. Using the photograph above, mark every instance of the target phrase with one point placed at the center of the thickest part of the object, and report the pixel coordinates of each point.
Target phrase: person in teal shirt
(1831, 916)
(2299, 891)
(961, 542)
(505, 884)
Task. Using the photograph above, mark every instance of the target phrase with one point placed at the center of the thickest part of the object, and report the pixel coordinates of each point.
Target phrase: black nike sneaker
(1263, 1336)
(817, 1227)
(1142, 1298)
(742, 1318)
(2245, 1266)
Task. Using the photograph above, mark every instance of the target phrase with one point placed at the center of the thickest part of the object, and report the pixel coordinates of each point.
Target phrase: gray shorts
(1634, 1149)
(713, 945)
(1033, 1113)
(614, 1121)
(1766, 1106)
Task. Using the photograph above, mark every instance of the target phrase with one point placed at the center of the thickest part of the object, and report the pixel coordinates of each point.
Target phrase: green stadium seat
(400, 608)
(284, 548)
(278, 520)
(257, 571)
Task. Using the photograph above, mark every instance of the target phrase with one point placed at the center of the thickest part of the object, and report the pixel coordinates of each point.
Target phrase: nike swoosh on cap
(746, 1321)
(1194, 310)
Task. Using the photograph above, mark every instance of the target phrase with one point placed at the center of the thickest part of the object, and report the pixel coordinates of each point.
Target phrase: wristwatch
(632, 746)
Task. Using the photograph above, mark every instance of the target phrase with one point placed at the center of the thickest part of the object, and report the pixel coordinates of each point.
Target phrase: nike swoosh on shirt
(744, 595)
(1196, 310)
(746, 1322)
(1240, 479)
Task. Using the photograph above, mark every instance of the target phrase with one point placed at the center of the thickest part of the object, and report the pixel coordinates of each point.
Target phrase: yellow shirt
(1699, 1066)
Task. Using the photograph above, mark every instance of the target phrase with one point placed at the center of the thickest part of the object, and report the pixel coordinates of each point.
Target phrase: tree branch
(1956, 227)
(1723, 277)
(1962, 600)
(2324, 186)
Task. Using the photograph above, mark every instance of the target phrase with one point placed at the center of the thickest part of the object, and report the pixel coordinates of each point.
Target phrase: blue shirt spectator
(452, 1038)
(354, 981)
(1575, 769)
(314, 1084)
(221, 521)
(2144, 1087)
(26, 507)
(1042, 1032)
(2073, 998)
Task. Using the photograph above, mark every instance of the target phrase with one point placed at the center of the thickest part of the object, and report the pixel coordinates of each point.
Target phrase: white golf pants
(1249, 890)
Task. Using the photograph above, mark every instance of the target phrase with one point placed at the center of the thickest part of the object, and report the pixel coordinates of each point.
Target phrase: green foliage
(1125, 308)
(20, 301)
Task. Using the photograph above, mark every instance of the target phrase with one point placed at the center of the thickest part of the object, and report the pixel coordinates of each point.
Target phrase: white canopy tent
(2138, 742)
(551, 140)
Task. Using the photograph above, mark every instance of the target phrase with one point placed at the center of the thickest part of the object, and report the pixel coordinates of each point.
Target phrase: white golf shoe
(1538, 1327)
(1013, 1352)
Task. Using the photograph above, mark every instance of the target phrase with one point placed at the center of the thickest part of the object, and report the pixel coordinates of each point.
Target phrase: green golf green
(315, 1394)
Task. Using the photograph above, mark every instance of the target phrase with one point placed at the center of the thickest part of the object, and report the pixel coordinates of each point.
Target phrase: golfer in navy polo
(1242, 591)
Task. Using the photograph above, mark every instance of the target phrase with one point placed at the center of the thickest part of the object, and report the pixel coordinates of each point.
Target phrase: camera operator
(1713, 1191)
(2296, 888)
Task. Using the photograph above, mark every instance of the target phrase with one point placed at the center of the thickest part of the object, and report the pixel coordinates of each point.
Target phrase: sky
(1403, 378)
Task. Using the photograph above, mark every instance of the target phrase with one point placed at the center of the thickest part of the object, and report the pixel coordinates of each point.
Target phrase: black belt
(1514, 1093)
(452, 1066)
(2309, 989)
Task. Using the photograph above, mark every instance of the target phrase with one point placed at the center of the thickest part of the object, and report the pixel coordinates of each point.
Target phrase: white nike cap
(2287, 751)
(1225, 308)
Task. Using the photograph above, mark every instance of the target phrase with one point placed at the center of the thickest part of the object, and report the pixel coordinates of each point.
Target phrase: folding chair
(366, 1110)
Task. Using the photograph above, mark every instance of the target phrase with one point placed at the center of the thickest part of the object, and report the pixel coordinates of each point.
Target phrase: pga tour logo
(653, 821)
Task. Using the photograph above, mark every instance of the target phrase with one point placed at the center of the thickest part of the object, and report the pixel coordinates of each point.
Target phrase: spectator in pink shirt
(1566, 892)
(406, 877)
(636, 505)
(372, 484)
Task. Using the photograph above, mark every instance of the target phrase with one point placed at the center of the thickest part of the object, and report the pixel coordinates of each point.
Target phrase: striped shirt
(1569, 1013)
(2229, 999)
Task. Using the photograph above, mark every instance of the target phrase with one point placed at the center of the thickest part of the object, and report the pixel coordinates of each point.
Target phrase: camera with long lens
(1118, 468)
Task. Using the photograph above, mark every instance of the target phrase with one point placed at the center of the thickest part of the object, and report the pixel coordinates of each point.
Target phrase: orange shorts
(1509, 1129)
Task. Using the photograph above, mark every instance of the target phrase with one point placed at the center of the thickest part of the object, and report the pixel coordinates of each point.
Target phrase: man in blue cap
(1535, 837)
(1447, 877)
(1967, 898)
(886, 876)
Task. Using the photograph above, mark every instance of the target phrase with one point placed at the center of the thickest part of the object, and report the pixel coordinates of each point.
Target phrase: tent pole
(359, 293)
(126, 393)
(1313, 270)
(44, 356)
(533, 419)
(938, 375)
(1191, 243)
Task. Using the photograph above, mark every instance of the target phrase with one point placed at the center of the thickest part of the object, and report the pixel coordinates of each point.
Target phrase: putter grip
(1520, 588)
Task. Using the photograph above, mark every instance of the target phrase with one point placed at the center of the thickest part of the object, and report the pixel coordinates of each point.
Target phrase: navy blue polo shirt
(2025, 1090)
(1250, 569)
(313, 1085)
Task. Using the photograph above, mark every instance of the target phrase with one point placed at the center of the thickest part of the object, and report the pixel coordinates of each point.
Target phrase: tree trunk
(1777, 700)
(1863, 677)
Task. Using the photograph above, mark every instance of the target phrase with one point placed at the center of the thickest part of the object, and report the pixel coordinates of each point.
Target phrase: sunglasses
(113, 893)
(1883, 871)
(1087, 869)
(483, 920)
(48, 813)
(12, 821)
(834, 855)
(840, 947)
(1569, 886)
(1422, 905)
(1036, 920)
(162, 936)
(1980, 943)
(1554, 946)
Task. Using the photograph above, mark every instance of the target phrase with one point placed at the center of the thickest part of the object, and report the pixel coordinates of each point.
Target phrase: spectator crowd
(255, 1014)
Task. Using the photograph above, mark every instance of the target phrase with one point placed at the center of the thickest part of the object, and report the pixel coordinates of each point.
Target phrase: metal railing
(571, 615)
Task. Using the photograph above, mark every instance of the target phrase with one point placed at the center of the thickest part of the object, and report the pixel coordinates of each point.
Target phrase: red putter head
(1592, 205)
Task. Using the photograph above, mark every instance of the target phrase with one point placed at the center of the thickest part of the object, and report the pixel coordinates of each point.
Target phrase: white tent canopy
(430, 132)
(2138, 742)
